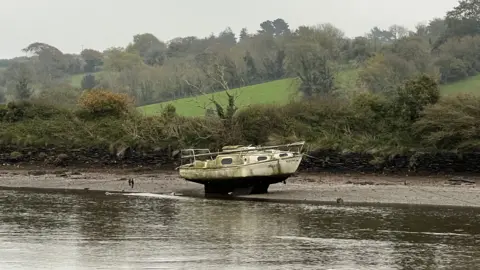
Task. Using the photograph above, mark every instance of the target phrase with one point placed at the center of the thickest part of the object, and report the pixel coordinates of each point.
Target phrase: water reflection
(59, 231)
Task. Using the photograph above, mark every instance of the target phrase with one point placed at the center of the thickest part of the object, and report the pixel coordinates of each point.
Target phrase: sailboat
(240, 169)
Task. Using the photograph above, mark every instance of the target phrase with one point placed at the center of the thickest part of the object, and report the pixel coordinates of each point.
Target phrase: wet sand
(305, 188)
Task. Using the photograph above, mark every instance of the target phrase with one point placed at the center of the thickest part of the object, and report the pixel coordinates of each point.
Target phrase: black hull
(240, 185)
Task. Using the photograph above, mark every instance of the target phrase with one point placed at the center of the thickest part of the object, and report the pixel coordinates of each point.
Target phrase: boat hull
(250, 178)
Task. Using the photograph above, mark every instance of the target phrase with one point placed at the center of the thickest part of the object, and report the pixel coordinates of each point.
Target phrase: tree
(275, 67)
(22, 89)
(360, 49)
(281, 27)
(312, 66)
(92, 58)
(52, 61)
(462, 20)
(458, 58)
(2, 95)
(414, 96)
(227, 38)
(142, 43)
(415, 50)
(327, 36)
(277, 27)
(398, 31)
(243, 34)
(379, 38)
(117, 59)
(267, 28)
(385, 72)
(219, 69)
(19, 76)
(88, 82)
(252, 72)
(149, 47)
(432, 31)
(182, 47)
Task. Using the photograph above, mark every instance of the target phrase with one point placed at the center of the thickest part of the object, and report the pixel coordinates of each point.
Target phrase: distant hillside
(266, 93)
(275, 92)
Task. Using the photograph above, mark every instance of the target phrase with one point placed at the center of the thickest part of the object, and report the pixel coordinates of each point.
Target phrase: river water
(66, 231)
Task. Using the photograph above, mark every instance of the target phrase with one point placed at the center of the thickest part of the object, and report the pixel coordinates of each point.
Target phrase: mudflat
(305, 187)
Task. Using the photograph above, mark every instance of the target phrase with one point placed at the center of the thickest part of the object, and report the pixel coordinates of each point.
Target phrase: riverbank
(325, 188)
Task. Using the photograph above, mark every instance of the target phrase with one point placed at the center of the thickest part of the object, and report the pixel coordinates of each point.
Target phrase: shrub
(22, 110)
(105, 103)
(258, 122)
(451, 124)
(414, 96)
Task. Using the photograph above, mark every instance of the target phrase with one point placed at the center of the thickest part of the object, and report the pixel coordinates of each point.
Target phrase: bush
(257, 123)
(62, 95)
(451, 124)
(22, 110)
(105, 103)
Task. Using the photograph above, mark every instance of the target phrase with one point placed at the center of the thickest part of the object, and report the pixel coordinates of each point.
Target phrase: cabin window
(261, 158)
(283, 155)
(227, 161)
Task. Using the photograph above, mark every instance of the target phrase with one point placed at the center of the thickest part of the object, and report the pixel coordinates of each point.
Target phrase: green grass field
(470, 85)
(276, 92)
(76, 80)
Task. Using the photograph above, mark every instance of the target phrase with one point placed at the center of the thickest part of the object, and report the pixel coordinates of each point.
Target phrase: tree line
(150, 70)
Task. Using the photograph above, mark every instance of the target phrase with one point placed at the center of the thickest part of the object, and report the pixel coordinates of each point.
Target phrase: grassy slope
(275, 92)
(470, 85)
(76, 80)
(272, 92)
(278, 92)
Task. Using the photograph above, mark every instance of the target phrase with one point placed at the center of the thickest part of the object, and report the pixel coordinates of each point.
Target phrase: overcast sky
(69, 25)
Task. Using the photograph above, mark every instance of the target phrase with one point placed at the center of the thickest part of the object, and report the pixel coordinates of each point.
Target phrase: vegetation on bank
(282, 92)
(414, 118)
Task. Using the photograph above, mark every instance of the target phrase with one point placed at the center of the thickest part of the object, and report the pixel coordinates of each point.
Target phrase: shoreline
(309, 188)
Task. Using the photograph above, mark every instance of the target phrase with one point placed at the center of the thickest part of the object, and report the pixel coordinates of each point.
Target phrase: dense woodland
(151, 70)
(395, 106)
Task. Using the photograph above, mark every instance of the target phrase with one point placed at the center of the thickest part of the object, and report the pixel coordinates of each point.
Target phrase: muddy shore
(325, 188)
